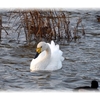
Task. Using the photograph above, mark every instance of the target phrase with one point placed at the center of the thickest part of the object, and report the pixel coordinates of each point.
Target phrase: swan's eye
(41, 47)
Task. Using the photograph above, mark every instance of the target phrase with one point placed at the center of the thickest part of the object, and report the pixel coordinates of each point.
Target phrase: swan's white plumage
(53, 62)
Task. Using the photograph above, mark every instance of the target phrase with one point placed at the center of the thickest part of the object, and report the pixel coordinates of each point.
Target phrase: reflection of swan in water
(94, 86)
(49, 58)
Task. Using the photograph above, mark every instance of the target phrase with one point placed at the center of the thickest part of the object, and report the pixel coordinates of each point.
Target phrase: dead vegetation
(44, 25)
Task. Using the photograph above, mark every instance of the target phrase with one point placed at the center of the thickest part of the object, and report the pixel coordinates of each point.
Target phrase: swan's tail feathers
(61, 55)
(56, 50)
(57, 46)
(52, 43)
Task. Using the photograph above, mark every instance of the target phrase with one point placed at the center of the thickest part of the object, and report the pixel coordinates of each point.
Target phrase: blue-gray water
(81, 64)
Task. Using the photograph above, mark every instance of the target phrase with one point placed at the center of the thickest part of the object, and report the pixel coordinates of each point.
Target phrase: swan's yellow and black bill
(38, 51)
(37, 54)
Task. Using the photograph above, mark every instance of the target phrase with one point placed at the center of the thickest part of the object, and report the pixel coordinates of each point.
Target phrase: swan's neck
(48, 54)
(46, 59)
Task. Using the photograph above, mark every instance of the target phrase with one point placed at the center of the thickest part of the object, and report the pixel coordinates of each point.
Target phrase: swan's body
(50, 57)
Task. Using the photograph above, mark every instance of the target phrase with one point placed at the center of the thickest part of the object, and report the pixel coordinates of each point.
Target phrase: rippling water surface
(81, 64)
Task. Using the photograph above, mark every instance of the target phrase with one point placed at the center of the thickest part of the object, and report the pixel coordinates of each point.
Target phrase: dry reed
(45, 25)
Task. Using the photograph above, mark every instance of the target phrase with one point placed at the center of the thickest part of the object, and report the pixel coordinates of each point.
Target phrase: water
(81, 64)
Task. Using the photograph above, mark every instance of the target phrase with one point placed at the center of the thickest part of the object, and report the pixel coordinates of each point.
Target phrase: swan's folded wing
(56, 57)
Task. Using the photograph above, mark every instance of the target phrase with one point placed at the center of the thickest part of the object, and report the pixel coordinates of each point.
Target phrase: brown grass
(45, 25)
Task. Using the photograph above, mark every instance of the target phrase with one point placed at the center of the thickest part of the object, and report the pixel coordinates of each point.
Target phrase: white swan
(50, 57)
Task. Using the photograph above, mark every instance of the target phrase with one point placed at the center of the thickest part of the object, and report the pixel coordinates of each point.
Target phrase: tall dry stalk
(45, 25)
(0, 25)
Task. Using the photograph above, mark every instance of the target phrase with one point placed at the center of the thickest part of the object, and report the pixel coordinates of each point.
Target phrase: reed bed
(47, 25)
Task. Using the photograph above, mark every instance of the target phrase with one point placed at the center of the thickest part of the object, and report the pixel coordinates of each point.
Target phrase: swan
(50, 57)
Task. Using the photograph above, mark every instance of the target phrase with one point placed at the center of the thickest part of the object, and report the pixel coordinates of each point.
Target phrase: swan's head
(41, 47)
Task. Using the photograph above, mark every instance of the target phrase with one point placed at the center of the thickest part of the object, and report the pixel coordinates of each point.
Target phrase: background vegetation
(40, 25)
